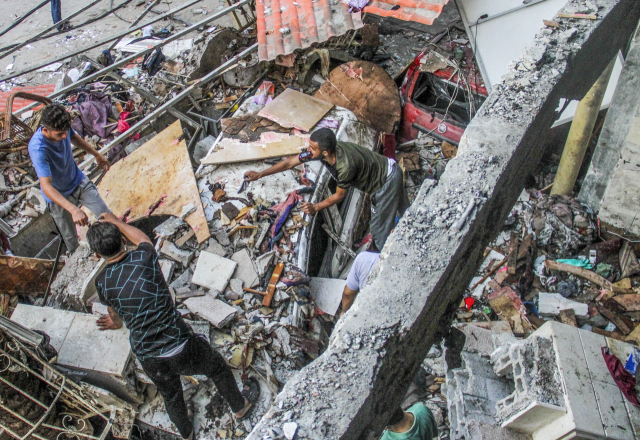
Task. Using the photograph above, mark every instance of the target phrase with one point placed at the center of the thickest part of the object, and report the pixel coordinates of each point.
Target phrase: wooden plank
(630, 302)
(233, 151)
(513, 253)
(568, 317)
(294, 109)
(271, 288)
(617, 320)
(158, 171)
(583, 273)
(25, 276)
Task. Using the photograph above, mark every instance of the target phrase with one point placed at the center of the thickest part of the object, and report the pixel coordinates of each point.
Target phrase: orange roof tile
(420, 11)
(287, 25)
(18, 103)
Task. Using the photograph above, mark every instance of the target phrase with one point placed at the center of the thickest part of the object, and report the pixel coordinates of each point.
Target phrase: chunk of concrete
(245, 270)
(215, 248)
(218, 313)
(175, 253)
(264, 261)
(166, 267)
(327, 293)
(213, 271)
(182, 281)
(552, 303)
(222, 238)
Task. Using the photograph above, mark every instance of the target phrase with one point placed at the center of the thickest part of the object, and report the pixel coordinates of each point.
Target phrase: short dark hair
(104, 238)
(56, 117)
(396, 417)
(326, 140)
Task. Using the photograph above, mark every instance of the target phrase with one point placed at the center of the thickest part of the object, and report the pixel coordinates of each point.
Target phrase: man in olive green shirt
(417, 423)
(352, 166)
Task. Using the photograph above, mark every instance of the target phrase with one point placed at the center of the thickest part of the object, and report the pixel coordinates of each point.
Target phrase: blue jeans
(56, 11)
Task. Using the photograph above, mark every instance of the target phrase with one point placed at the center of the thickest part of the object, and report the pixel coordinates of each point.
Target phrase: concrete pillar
(353, 388)
(612, 140)
(580, 134)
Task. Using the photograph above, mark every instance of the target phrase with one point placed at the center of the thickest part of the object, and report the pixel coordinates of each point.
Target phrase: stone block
(213, 271)
(172, 251)
(215, 248)
(166, 267)
(245, 270)
(218, 313)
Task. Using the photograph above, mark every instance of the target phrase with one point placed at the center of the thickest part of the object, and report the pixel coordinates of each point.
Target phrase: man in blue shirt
(64, 186)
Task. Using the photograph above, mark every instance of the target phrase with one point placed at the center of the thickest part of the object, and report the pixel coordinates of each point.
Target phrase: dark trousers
(56, 11)
(197, 357)
(388, 202)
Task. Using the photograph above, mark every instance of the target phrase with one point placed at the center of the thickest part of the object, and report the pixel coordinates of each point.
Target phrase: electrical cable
(114, 13)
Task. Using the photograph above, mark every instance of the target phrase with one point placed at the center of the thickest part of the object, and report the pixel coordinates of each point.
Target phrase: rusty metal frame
(66, 389)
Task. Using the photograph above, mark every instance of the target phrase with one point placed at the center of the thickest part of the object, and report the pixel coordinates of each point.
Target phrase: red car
(441, 103)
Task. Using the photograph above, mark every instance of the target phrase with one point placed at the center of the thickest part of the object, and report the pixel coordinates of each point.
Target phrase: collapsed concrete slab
(353, 388)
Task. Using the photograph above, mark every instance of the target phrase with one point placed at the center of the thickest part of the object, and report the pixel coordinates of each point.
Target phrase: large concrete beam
(620, 117)
(376, 349)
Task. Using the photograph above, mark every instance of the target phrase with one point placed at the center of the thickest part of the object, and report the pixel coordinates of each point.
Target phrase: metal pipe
(85, 49)
(47, 412)
(145, 12)
(127, 60)
(21, 19)
(180, 96)
(33, 399)
(64, 20)
(145, 94)
(580, 134)
(432, 134)
(53, 272)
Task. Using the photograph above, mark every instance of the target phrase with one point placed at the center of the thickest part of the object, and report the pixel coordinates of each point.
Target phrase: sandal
(251, 392)
(191, 414)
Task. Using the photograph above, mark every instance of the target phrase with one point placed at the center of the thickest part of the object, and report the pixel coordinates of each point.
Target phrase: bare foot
(247, 406)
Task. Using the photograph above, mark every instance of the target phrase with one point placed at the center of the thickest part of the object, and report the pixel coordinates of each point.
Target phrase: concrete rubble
(492, 298)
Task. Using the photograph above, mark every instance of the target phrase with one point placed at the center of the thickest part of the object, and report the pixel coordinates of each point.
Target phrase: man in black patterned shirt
(136, 293)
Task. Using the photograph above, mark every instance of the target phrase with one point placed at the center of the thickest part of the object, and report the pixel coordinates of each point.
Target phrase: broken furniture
(40, 402)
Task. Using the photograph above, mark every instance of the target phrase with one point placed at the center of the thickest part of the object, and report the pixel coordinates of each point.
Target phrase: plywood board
(53, 322)
(368, 91)
(327, 293)
(88, 348)
(233, 151)
(295, 109)
(160, 170)
(25, 276)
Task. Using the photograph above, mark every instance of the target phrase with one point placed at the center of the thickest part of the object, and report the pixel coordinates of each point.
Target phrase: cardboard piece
(275, 145)
(157, 177)
(294, 109)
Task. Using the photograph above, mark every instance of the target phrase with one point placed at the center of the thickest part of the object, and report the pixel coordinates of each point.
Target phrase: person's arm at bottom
(78, 216)
(348, 297)
(112, 321)
(311, 208)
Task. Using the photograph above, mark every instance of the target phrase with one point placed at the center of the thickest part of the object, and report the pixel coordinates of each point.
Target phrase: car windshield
(443, 97)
